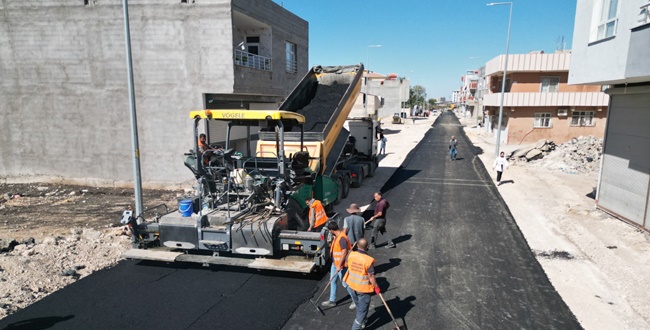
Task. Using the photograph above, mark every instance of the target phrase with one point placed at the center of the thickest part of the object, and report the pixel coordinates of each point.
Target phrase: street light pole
(365, 101)
(503, 83)
(137, 181)
(368, 55)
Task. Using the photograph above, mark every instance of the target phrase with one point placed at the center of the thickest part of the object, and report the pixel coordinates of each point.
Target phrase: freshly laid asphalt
(460, 263)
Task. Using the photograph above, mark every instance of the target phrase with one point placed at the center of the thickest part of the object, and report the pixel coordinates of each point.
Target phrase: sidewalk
(597, 263)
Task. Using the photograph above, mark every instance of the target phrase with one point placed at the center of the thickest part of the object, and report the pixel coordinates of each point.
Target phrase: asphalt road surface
(460, 263)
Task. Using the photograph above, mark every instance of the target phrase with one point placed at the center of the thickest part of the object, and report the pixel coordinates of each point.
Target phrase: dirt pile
(580, 155)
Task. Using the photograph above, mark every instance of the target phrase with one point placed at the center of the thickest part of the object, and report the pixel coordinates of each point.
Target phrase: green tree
(417, 95)
(432, 103)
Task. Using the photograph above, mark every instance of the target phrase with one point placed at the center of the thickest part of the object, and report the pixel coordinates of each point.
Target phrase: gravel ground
(52, 235)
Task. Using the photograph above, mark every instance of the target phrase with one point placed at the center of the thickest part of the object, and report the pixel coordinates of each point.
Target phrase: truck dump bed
(325, 96)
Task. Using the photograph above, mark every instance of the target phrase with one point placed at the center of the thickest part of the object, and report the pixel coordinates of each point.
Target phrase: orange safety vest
(357, 275)
(337, 252)
(321, 216)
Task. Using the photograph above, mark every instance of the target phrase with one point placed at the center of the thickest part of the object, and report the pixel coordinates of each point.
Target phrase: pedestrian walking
(500, 164)
(379, 221)
(360, 277)
(353, 225)
(382, 143)
(339, 252)
(453, 145)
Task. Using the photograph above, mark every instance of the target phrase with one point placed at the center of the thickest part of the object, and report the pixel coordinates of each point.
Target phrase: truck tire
(341, 193)
(346, 186)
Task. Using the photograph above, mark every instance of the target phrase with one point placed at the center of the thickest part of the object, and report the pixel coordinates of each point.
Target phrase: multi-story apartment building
(468, 103)
(611, 43)
(538, 103)
(64, 94)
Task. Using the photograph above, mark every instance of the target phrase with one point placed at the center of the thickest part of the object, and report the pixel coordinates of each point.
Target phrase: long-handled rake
(397, 326)
(321, 294)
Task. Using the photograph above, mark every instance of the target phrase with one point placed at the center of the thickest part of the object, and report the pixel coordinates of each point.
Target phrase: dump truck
(249, 210)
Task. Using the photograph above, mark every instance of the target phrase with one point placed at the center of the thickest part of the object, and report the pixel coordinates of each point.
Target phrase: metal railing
(254, 61)
(292, 66)
(644, 14)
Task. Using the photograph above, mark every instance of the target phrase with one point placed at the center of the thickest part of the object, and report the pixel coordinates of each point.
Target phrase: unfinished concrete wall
(64, 96)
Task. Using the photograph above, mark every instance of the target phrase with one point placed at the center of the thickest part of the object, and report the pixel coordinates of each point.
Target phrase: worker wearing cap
(360, 277)
(317, 215)
(339, 253)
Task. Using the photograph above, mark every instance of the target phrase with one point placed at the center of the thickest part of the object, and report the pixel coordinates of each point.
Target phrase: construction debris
(580, 155)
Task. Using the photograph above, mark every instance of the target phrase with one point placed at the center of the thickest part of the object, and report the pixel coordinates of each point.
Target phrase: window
(583, 118)
(542, 119)
(292, 62)
(253, 45)
(550, 84)
(607, 19)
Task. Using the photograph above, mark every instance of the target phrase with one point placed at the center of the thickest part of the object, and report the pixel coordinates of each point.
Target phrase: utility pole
(137, 180)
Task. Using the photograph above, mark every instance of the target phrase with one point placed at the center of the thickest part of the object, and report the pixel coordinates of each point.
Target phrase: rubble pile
(32, 270)
(580, 155)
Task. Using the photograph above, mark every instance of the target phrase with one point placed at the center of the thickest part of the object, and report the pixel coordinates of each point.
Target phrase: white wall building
(611, 46)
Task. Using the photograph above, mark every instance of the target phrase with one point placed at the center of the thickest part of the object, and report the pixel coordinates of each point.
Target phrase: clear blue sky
(431, 42)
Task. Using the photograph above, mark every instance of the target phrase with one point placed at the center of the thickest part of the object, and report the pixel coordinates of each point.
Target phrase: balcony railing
(644, 14)
(547, 99)
(254, 61)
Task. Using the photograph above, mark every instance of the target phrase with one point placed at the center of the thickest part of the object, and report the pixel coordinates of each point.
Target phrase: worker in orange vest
(317, 215)
(339, 252)
(360, 277)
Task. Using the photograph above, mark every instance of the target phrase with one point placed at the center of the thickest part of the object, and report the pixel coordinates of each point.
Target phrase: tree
(417, 95)
(432, 103)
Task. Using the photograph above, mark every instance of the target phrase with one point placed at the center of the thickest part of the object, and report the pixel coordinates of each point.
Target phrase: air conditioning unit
(562, 112)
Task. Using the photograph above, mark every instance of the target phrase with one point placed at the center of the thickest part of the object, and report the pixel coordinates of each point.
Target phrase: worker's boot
(328, 303)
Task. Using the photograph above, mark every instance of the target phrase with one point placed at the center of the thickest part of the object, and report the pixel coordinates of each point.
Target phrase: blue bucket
(185, 207)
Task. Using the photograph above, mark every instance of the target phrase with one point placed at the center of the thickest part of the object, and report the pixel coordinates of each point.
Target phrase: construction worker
(317, 215)
(360, 277)
(206, 149)
(379, 220)
(339, 252)
(353, 225)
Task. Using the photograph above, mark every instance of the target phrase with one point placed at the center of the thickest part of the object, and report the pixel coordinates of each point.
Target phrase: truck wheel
(340, 195)
(346, 186)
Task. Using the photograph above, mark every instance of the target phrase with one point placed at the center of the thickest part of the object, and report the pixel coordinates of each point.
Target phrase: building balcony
(254, 61)
(574, 99)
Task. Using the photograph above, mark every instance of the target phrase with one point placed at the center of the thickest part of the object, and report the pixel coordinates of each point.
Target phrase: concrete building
(538, 102)
(467, 102)
(611, 43)
(388, 93)
(64, 96)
